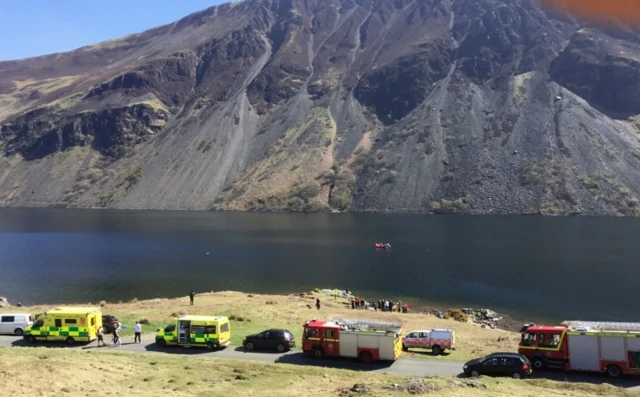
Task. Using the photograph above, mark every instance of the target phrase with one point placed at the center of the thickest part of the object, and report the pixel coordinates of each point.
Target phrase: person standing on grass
(318, 303)
(191, 295)
(137, 329)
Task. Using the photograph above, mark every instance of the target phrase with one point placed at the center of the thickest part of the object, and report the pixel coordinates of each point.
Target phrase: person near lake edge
(137, 329)
(318, 303)
(191, 296)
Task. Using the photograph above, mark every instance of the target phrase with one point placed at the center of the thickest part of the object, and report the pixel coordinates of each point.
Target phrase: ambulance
(65, 324)
(206, 331)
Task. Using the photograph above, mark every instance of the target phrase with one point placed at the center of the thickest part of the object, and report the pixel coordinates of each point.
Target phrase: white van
(15, 323)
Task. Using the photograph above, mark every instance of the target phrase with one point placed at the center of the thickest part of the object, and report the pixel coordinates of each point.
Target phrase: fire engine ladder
(604, 325)
(370, 325)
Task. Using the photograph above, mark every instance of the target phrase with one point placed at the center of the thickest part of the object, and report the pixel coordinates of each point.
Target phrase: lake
(534, 268)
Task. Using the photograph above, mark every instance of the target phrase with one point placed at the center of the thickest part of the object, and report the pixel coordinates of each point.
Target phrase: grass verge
(81, 373)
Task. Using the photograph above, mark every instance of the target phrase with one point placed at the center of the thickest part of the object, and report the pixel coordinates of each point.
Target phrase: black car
(108, 322)
(278, 339)
(514, 365)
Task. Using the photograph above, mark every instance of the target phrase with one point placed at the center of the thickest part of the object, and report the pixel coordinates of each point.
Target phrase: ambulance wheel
(70, 341)
(249, 346)
(281, 348)
(405, 348)
(210, 346)
(318, 352)
(18, 332)
(437, 350)
(365, 358)
(31, 339)
(539, 364)
(161, 342)
(614, 371)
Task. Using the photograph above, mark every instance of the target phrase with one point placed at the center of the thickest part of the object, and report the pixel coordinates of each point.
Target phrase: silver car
(15, 323)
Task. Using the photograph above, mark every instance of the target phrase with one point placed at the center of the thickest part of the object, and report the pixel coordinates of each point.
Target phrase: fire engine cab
(367, 341)
(607, 347)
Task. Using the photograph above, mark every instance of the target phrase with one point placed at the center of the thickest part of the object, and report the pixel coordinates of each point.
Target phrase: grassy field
(255, 313)
(46, 372)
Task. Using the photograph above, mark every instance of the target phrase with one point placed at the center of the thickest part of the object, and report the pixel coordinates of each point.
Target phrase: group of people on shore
(383, 305)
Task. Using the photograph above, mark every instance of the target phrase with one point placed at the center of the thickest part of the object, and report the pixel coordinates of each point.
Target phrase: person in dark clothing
(353, 303)
(318, 303)
(191, 295)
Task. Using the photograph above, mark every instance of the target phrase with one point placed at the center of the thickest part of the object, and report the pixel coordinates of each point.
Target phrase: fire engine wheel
(437, 350)
(318, 352)
(70, 341)
(281, 348)
(31, 339)
(614, 371)
(18, 332)
(365, 358)
(539, 364)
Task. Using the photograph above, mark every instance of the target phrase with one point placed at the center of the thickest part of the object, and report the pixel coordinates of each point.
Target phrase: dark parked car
(108, 322)
(278, 339)
(514, 365)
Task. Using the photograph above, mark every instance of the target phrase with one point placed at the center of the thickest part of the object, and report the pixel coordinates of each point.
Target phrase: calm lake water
(530, 267)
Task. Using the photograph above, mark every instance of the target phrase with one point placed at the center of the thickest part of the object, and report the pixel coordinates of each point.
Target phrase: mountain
(445, 106)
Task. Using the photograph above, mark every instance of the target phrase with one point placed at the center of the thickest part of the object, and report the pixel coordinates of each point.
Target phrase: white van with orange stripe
(438, 340)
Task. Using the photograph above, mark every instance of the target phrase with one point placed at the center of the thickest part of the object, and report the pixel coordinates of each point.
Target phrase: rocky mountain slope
(472, 106)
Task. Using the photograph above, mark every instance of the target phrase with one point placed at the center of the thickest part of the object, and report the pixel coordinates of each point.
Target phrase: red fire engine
(608, 347)
(366, 340)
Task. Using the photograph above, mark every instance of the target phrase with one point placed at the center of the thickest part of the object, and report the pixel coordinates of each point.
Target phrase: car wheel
(475, 374)
(281, 348)
(318, 353)
(70, 341)
(614, 371)
(405, 348)
(161, 342)
(31, 339)
(539, 364)
(249, 346)
(516, 375)
(366, 358)
(437, 350)
(18, 332)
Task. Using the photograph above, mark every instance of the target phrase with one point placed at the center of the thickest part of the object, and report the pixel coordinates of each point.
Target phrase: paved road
(403, 366)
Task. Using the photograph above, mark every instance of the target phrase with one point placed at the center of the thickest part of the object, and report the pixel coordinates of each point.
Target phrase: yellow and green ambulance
(65, 324)
(212, 332)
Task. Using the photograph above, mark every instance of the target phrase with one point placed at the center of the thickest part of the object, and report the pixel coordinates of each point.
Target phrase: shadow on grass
(328, 362)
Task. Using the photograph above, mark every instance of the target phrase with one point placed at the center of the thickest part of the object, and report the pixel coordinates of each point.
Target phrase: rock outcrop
(440, 106)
